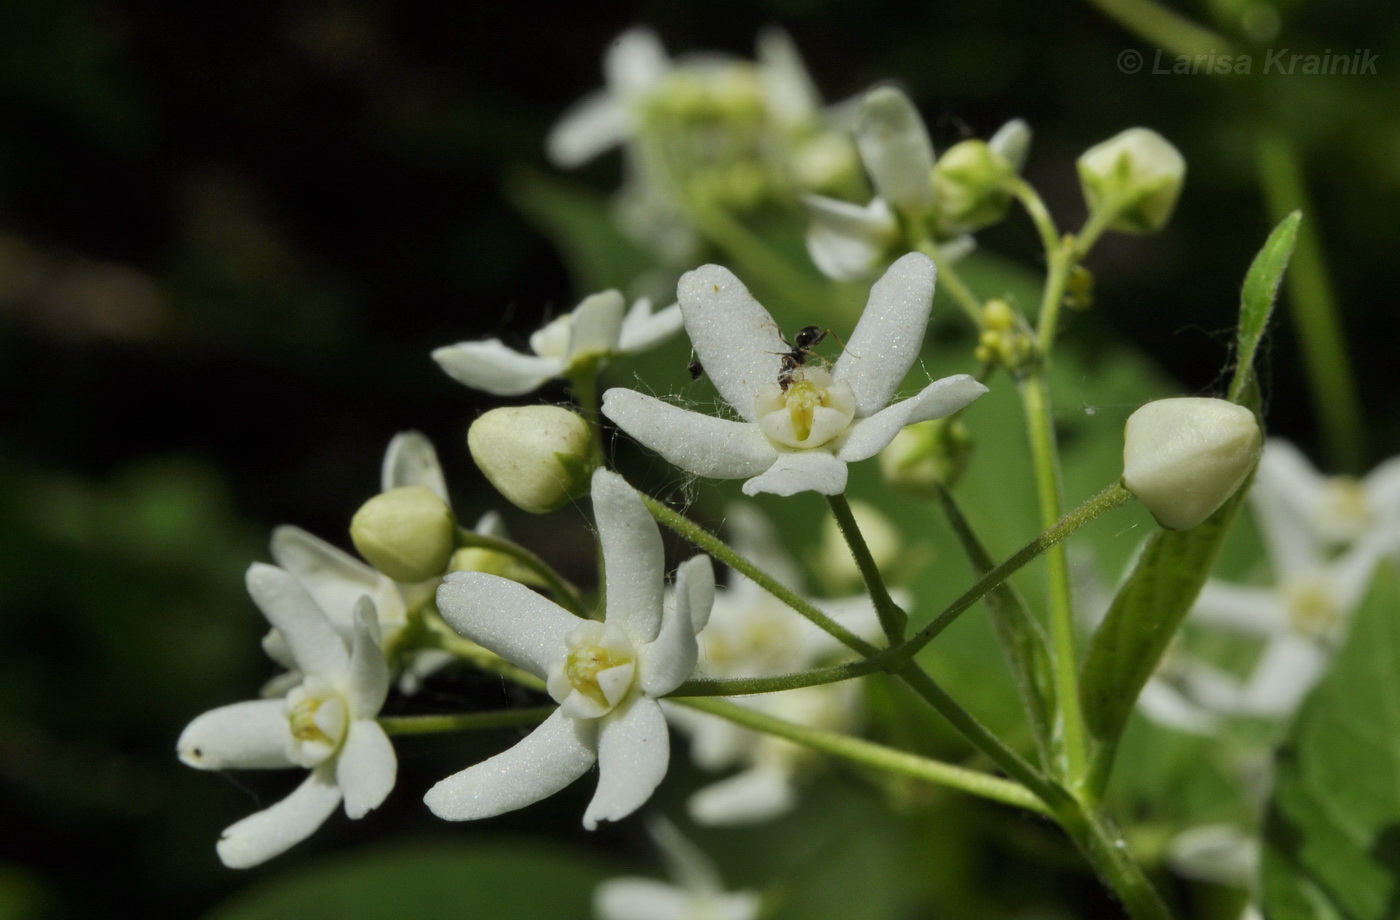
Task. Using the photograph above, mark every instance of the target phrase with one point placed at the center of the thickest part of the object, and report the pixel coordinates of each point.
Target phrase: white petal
(411, 460)
(369, 672)
(1287, 474)
(491, 524)
(633, 752)
(868, 436)
(597, 325)
(494, 368)
(671, 658)
(635, 63)
(736, 340)
(366, 767)
(334, 579)
(251, 735)
(314, 643)
(551, 757)
(594, 124)
(1220, 853)
(633, 557)
(642, 899)
(684, 861)
(890, 333)
(1289, 668)
(745, 798)
(1161, 703)
(1012, 142)
(1382, 486)
(1256, 611)
(1352, 571)
(801, 471)
(846, 240)
(258, 838)
(695, 590)
(507, 618)
(642, 329)
(787, 86)
(1289, 538)
(895, 147)
(702, 444)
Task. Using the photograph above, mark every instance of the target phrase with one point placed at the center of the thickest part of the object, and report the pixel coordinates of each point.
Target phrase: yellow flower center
(1313, 611)
(596, 673)
(810, 412)
(317, 717)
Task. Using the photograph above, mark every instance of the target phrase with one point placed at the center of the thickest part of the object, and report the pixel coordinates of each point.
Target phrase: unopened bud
(538, 457)
(1137, 176)
(1184, 457)
(925, 456)
(407, 533)
(970, 187)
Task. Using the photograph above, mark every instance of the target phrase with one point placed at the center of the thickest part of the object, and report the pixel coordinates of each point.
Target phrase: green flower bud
(407, 533)
(1184, 457)
(969, 186)
(1135, 176)
(538, 457)
(927, 455)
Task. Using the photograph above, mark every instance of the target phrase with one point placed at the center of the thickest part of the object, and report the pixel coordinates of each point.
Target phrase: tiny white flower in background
(1336, 509)
(750, 633)
(847, 240)
(1219, 853)
(325, 723)
(698, 892)
(799, 437)
(1302, 618)
(599, 328)
(605, 675)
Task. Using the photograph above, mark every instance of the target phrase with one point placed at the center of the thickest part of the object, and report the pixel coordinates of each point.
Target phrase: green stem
(1106, 850)
(1109, 498)
(584, 383)
(567, 595)
(748, 686)
(1039, 215)
(1062, 627)
(1164, 28)
(892, 619)
(463, 722)
(1314, 306)
(711, 544)
(874, 755)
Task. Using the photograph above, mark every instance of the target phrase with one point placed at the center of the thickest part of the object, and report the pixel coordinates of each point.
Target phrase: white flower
(326, 724)
(697, 895)
(1303, 618)
(594, 331)
(847, 240)
(798, 434)
(750, 633)
(1335, 509)
(605, 675)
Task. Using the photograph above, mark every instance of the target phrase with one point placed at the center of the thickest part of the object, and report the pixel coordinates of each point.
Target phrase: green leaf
(1142, 620)
(1257, 301)
(580, 223)
(503, 881)
(1332, 831)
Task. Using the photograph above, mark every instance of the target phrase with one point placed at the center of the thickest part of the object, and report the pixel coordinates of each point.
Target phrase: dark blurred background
(230, 233)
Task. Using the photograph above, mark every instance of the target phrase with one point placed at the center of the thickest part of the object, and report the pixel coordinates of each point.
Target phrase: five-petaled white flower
(846, 240)
(326, 723)
(605, 675)
(698, 892)
(1304, 617)
(800, 426)
(596, 330)
(1335, 509)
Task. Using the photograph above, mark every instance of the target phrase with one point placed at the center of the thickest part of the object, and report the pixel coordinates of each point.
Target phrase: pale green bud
(927, 455)
(407, 533)
(1137, 176)
(1184, 457)
(538, 457)
(492, 562)
(970, 187)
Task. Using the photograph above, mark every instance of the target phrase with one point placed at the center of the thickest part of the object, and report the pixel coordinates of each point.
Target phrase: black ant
(801, 348)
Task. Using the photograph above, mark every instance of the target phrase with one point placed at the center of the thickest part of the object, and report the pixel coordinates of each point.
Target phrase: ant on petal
(801, 348)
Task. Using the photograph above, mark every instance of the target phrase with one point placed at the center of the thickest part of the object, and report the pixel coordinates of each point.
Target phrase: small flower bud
(925, 456)
(1184, 457)
(1137, 176)
(969, 186)
(407, 533)
(539, 457)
